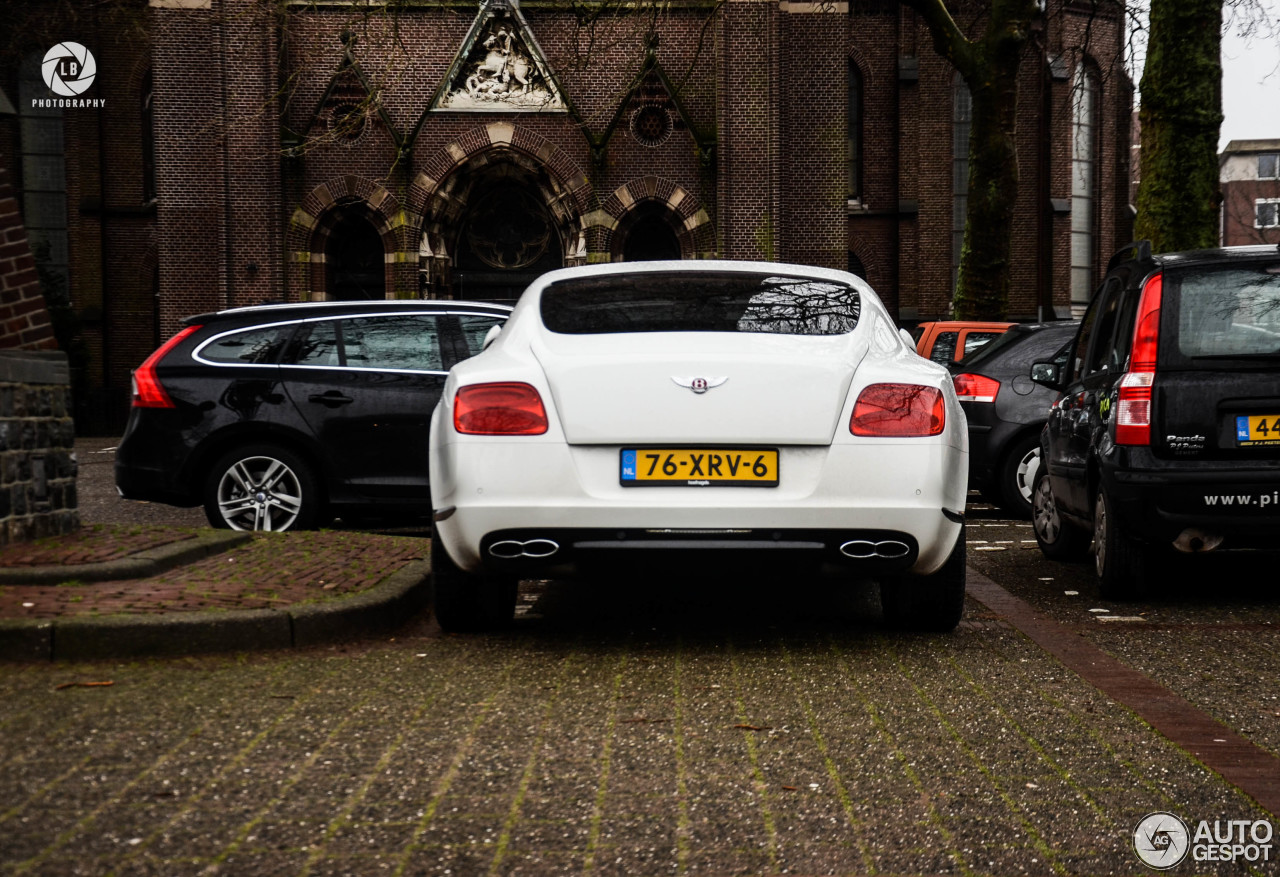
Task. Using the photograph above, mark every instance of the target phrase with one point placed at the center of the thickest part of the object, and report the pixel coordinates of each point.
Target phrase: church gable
(500, 67)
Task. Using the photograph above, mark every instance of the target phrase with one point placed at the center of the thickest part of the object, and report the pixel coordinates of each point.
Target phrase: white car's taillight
(1133, 403)
(898, 410)
(499, 409)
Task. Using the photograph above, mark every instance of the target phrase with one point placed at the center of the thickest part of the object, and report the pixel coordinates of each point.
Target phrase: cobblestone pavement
(585, 744)
(273, 570)
(1212, 633)
(91, 544)
(646, 727)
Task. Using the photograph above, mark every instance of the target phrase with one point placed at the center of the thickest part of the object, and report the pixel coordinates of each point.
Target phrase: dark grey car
(1007, 410)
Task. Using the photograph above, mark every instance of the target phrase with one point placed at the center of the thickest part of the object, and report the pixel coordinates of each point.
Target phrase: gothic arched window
(961, 123)
(855, 132)
(1084, 183)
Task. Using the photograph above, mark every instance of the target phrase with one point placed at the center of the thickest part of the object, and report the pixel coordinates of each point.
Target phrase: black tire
(1058, 540)
(1125, 567)
(262, 487)
(1017, 474)
(929, 603)
(465, 602)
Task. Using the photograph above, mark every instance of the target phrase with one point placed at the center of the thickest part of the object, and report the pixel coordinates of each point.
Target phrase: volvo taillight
(148, 392)
(1133, 402)
(898, 410)
(499, 409)
(975, 388)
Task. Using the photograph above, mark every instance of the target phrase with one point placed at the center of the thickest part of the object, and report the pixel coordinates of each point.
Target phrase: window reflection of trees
(702, 303)
(392, 342)
(801, 307)
(1230, 312)
(255, 347)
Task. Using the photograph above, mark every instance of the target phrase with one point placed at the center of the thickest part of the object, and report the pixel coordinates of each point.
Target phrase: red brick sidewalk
(274, 570)
(96, 544)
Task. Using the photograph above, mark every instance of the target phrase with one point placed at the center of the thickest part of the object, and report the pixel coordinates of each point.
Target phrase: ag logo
(1161, 840)
(69, 69)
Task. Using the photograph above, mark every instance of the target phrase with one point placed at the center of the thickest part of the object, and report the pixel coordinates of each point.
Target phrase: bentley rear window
(700, 302)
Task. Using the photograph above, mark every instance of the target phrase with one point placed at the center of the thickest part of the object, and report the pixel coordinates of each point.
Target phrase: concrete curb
(142, 565)
(383, 607)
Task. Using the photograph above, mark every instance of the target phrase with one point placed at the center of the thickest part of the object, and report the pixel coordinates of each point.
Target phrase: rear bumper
(147, 463)
(1242, 506)
(530, 552)
(495, 491)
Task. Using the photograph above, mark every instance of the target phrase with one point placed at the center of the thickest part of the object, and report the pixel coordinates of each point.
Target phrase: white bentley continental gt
(680, 412)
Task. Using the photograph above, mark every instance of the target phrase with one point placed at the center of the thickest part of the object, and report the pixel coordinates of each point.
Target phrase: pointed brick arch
(437, 199)
(314, 219)
(690, 220)
(429, 195)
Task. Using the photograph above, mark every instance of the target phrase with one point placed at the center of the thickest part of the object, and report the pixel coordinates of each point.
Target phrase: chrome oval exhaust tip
(540, 548)
(859, 549)
(892, 549)
(508, 549)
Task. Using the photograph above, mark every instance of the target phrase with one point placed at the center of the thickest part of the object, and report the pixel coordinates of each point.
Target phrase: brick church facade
(249, 151)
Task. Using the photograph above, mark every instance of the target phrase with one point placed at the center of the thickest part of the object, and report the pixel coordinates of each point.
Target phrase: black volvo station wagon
(282, 416)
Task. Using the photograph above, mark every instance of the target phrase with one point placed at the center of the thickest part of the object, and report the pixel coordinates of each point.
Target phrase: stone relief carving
(501, 73)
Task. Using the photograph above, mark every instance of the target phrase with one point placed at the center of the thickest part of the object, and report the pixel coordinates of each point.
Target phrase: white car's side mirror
(494, 331)
(906, 337)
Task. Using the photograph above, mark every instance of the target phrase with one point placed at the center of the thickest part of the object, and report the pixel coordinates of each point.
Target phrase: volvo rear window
(1229, 312)
(700, 302)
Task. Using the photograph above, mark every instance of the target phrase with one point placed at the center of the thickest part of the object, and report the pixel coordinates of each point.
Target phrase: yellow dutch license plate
(699, 467)
(1257, 430)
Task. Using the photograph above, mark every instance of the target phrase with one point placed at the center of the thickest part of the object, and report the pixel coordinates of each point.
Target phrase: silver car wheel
(1026, 472)
(259, 493)
(1044, 513)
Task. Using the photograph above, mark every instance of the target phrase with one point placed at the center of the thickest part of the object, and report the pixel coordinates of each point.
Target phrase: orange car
(944, 341)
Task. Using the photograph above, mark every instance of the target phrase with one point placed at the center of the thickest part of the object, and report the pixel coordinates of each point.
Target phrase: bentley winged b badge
(699, 385)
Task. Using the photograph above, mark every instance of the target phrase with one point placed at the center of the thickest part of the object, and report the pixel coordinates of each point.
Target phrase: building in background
(1250, 177)
(250, 151)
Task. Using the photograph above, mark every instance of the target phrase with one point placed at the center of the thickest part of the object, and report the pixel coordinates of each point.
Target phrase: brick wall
(24, 321)
(241, 219)
(37, 474)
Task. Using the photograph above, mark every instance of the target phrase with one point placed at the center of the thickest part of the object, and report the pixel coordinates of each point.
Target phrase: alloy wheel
(1024, 475)
(1044, 513)
(259, 493)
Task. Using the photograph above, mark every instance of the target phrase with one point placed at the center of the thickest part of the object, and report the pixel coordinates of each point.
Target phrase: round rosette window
(651, 126)
(348, 123)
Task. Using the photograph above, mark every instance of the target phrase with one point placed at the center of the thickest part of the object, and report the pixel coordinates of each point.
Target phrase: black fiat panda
(1165, 436)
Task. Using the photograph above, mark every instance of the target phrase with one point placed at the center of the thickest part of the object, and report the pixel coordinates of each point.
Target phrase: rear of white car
(683, 411)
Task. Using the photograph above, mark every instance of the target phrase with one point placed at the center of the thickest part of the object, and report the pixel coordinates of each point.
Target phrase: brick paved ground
(94, 544)
(274, 570)
(606, 737)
